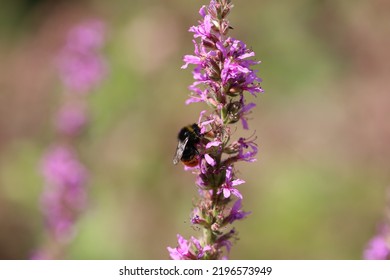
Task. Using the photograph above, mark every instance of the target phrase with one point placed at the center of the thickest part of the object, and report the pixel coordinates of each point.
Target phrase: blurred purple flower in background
(378, 248)
(87, 37)
(64, 197)
(222, 75)
(71, 119)
(61, 168)
(80, 65)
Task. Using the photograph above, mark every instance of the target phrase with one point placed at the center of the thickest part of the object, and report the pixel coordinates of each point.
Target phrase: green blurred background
(317, 189)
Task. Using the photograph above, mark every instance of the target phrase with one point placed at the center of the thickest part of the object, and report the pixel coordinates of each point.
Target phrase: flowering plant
(378, 247)
(223, 76)
(64, 197)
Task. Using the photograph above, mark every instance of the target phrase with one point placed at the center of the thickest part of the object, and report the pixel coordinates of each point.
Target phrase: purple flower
(236, 213)
(199, 251)
(81, 72)
(64, 195)
(224, 242)
(86, 37)
(215, 143)
(203, 30)
(61, 168)
(223, 76)
(182, 251)
(247, 149)
(59, 220)
(71, 119)
(80, 65)
(195, 220)
(191, 59)
(220, 64)
(228, 187)
(188, 250)
(209, 160)
(246, 109)
(378, 248)
(236, 71)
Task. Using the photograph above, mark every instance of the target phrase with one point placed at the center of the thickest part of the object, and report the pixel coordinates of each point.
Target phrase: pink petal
(213, 144)
(237, 182)
(226, 192)
(209, 160)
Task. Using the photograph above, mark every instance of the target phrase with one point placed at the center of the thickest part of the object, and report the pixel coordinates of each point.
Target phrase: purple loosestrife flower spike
(378, 248)
(223, 77)
(64, 196)
(80, 65)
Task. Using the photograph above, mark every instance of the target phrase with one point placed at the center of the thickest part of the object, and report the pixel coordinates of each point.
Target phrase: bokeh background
(318, 188)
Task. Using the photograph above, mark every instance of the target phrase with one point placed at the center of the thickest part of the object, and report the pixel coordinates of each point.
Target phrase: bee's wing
(179, 151)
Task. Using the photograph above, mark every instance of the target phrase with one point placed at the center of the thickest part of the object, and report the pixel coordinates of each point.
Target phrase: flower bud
(233, 111)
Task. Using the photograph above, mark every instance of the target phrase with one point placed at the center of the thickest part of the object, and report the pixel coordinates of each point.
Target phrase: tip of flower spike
(80, 65)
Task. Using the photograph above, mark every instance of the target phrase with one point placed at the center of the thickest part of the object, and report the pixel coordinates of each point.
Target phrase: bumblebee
(186, 152)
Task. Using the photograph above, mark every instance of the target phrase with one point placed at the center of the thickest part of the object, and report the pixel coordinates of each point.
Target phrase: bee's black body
(189, 136)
